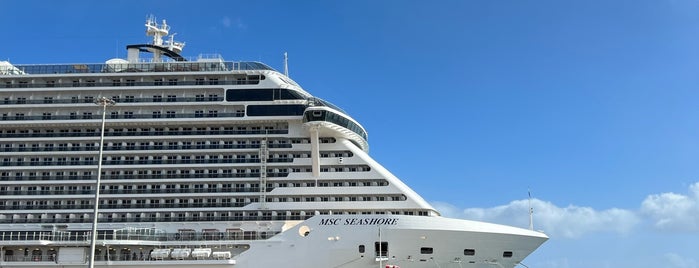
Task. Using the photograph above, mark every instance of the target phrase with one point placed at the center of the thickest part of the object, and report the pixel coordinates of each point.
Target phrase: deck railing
(133, 67)
(84, 236)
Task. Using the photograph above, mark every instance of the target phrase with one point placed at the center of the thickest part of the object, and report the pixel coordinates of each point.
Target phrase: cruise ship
(159, 160)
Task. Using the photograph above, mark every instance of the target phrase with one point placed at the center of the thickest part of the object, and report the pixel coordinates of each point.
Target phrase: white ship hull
(336, 241)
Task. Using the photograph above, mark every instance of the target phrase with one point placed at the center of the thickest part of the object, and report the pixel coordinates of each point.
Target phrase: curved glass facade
(262, 94)
(178, 66)
(340, 120)
(276, 110)
(321, 102)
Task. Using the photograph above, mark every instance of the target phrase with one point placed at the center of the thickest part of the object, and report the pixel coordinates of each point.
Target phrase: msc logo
(329, 222)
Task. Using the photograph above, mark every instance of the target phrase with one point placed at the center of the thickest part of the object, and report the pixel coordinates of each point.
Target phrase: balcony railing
(145, 133)
(178, 147)
(120, 116)
(63, 236)
(144, 177)
(119, 100)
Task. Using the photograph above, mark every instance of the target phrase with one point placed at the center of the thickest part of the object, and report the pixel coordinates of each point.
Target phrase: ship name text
(360, 221)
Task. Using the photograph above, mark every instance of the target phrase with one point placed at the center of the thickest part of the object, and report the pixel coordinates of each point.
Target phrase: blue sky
(590, 104)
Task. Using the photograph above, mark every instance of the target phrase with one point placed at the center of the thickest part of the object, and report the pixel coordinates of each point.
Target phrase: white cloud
(666, 211)
(674, 212)
(553, 263)
(570, 222)
(447, 210)
(678, 261)
(644, 231)
(227, 22)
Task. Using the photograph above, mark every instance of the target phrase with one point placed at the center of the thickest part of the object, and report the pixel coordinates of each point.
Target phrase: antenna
(531, 211)
(286, 64)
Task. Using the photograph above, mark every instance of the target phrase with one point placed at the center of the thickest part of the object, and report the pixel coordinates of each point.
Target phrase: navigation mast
(286, 64)
(158, 46)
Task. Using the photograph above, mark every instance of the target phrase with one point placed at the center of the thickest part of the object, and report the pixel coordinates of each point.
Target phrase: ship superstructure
(208, 162)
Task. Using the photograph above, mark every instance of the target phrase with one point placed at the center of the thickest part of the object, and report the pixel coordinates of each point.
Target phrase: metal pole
(104, 101)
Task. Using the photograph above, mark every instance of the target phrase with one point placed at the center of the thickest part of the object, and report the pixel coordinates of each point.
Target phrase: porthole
(304, 231)
(425, 250)
(469, 252)
(507, 254)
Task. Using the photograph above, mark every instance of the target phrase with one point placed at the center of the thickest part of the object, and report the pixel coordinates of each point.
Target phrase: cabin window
(507, 254)
(426, 250)
(469, 252)
(361, 249)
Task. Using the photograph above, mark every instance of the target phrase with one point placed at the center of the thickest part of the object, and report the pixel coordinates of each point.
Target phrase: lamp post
(104, 101)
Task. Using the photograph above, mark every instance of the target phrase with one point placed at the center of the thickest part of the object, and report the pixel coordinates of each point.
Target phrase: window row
(145, 160)
(152, 235)
(278, 128)
(240, 187)
(128, 160)
(196, 202)
(381, 249)
(263, 94)
(117, 99)
(155, 145)
(252, 110)
(335, 118)
(123, 115)
(240, 172)
(132, 82)
(254, 157)
(189, 216)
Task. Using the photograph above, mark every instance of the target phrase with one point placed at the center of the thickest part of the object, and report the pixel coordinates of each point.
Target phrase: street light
(104, 101)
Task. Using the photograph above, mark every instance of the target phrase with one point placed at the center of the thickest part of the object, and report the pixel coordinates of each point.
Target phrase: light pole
(104, 101)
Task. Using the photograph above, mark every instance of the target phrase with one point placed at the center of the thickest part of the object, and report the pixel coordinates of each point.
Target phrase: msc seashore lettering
(365, 221)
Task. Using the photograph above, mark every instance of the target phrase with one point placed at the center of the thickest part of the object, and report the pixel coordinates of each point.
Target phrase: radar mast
(158, 47)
